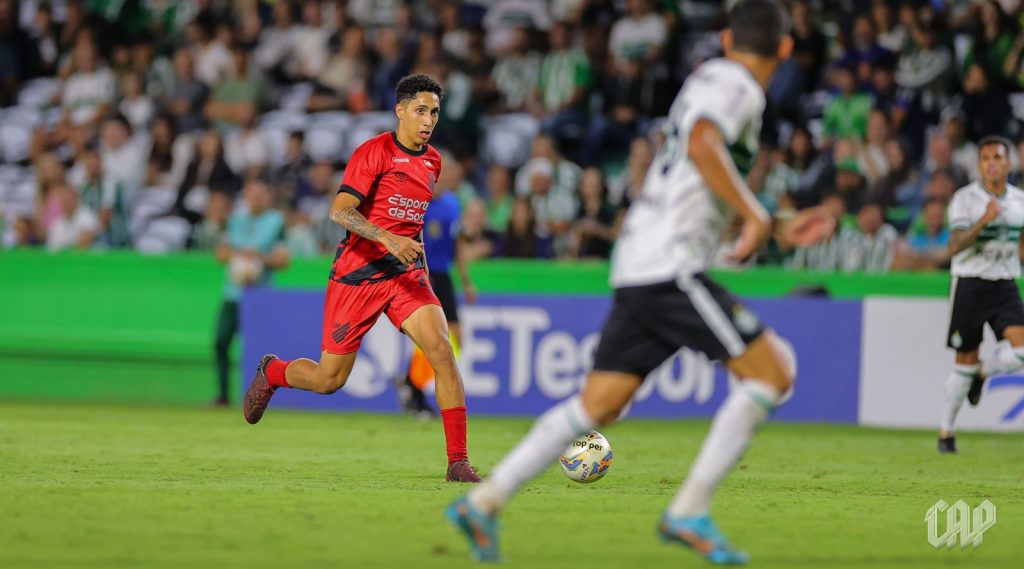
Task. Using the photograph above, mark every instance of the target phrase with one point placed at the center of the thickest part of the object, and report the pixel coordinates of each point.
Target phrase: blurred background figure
(443, 249)
(75, 227)
(252, 249)
(879, 100)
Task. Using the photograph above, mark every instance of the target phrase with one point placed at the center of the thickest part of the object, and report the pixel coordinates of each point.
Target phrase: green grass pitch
(116, 486)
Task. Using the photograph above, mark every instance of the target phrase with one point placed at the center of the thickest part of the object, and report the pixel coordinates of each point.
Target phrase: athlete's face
(994, 163)
(418, 116)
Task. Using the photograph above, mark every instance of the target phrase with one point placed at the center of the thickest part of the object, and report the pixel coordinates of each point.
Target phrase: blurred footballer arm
(708, 153)
(278, 258)
(462, 265)
(223, 252)
(960, 239)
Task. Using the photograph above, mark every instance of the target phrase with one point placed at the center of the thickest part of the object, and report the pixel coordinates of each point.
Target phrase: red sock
(454, 420)
(275, 372)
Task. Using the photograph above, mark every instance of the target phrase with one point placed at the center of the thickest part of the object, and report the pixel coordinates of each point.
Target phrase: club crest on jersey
(428, 163)
(745, 320)
(399, 159)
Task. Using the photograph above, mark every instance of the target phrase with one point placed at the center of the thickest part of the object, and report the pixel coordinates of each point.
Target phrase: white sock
(746, 407)
(957, 386)
(546, 441)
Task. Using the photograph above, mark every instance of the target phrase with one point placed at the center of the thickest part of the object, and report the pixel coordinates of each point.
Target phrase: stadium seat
(365, 127)
(151, 203)
(163, 235)
(325, 138)
(1017, 104)
(38, 93)
(296, 97)
(507, 138)
(324, 143)
(275, 127)
(14, 141)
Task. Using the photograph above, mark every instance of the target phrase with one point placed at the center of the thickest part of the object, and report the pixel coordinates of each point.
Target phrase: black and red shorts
(351, 310)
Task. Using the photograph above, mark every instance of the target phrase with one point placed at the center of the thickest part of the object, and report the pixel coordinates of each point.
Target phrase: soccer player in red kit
(379, 268)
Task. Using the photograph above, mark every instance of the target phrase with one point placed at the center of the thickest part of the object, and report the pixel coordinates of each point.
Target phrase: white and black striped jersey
(995, 254)
(674, 227)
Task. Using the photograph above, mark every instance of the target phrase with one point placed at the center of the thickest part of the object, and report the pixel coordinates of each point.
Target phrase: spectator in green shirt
(236, 97)
(499, 197)
(847, 113)
(565, 79)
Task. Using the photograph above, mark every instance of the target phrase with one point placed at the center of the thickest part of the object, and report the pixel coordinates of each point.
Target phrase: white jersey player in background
(664, 301)
(985, 221)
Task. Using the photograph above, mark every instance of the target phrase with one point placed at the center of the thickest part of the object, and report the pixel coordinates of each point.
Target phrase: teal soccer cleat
(700, 534)
(480, 529)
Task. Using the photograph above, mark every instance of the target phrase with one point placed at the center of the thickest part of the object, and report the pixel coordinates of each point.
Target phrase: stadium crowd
(135, 123)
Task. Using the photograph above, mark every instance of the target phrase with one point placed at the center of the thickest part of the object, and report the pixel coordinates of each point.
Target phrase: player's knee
(328, 384)
(610, 414)
(438, 351)
(604, 410)
(775, 366)
(786, 356)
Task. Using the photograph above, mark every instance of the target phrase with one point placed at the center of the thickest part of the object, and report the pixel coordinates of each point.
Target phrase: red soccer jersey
(395, 185)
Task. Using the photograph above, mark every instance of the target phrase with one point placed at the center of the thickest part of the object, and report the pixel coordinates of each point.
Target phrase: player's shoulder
(1015, 192)
(966, 192)
(719, 81)
(381, 142)
(432, 153)
(724, 72)
(719, 68)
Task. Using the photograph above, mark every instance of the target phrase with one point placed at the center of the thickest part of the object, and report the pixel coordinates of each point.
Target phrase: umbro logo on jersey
(399, 159)
(428, 163)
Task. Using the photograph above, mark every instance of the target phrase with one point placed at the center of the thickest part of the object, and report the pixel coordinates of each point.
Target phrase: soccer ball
(587, 459)
(244, 270)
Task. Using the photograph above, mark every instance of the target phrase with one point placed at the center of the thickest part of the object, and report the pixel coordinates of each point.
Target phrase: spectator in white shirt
(640, 34)
(276, 40)
(504, 17)
(213, 61)
(124, 159)
(75, 227)
(85, 99)
(244, 150)
(135, 105)
(309, 46)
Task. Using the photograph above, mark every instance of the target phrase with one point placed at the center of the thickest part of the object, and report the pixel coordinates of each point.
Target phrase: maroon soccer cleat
(462, 471)
(259, 393)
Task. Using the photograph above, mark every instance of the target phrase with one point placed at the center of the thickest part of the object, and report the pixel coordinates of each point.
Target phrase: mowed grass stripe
(116, 486)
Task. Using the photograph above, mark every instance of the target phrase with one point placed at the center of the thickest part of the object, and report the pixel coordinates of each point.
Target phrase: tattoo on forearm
(354, 221)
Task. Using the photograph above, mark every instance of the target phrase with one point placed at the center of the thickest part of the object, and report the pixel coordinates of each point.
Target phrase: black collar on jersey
(408, 151)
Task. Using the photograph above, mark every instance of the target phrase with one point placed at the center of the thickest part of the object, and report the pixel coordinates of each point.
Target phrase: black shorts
(445, 291)
(977, 302)
(648, 324)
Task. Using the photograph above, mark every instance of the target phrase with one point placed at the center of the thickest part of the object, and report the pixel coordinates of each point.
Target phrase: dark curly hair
(995, 139)
(758, 26)
(412, 84)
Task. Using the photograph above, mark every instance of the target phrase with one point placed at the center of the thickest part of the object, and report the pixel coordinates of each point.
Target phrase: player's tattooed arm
(345, 214)
(352, 220)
